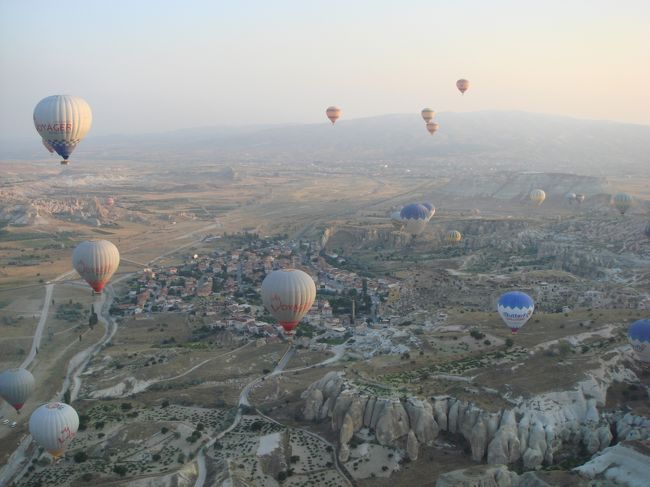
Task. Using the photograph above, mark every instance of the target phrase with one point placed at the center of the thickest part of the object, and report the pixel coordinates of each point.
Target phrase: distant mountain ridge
(476, 141)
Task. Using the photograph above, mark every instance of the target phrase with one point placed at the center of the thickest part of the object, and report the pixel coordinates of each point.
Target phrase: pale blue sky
(148, 66)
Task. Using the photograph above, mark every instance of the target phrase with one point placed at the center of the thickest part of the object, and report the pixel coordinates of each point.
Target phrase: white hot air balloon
(288, 294)
(53, 426)
(62, 121)
(16, 385)
(96, 261)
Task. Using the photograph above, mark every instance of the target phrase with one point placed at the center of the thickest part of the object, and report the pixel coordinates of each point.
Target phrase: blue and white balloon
(639, 336)
(415, 217)
(515, 308)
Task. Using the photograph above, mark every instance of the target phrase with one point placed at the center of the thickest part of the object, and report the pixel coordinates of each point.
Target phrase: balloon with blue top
(638, 335)
(415, 217)
(515, 308)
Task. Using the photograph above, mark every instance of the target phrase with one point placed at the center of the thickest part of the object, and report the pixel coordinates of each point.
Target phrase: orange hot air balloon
(288, 295)
(432, 127)
(462, 85)
(427, 114)
(333, 113)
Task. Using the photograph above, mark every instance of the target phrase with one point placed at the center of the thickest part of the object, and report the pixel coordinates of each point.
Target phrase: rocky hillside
(537, 431)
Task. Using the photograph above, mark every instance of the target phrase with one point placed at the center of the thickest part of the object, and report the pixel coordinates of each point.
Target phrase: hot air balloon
(432, 127)
(622, 202)
(47, 146)
(462, 85)
(515, 309)
(53, 426)
(537, 196)
(333, 113)
(96, 261)
(63, 121)
(16, 385)
(415, 218)
(396, 220)
(288, 295)
(580, 198)
(431, 208)
(427, 114)
(110, 201)
(638, 335)
(454, 236)
(570, 197)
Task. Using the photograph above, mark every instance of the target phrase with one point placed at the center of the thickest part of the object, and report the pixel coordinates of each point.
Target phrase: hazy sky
(148, 66)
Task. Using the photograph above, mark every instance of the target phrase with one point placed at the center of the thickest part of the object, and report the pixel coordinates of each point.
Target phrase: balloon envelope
(454, 236)
(96, 261)
(432, 127)
(53, 426)
(537, 196)
(462, 85)
(638, 335)
(431, 208)
(515, 309)
(415, 218)
(288, 294)
(62, 121)
(427, 114)
(16, 385)
(622, 202)
(396, 220)
(333, 113)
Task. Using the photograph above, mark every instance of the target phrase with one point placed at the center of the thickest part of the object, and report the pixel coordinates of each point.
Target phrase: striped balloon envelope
(62, 121)
(16, 385)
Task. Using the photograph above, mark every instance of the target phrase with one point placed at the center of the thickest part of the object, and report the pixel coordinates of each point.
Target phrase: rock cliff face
(533, 432)
(625, 464)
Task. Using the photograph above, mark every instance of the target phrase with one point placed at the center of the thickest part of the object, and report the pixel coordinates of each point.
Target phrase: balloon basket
(64, 163)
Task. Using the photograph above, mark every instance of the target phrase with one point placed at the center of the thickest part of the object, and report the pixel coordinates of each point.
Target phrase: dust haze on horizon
(159, 66)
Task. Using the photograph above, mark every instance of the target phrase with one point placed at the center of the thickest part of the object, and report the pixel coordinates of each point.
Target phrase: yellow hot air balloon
(53, 426)
(427, 114)
(62, 121)
(622, 202)
(288, 294)
(432, 127)
(96, 261)
(333, 113)
(462, 85)
(537, 196)
(454, 236)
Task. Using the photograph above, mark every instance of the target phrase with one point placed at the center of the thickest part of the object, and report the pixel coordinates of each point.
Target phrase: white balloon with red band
(96, 261)
(288, 294)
